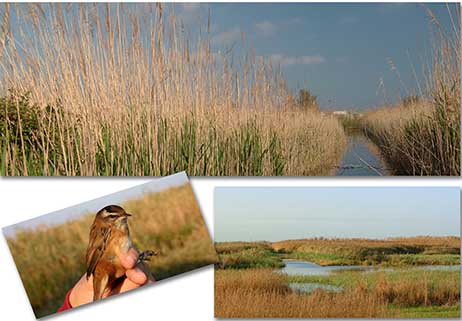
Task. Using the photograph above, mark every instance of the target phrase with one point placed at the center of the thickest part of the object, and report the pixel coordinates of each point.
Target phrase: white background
(185, 297)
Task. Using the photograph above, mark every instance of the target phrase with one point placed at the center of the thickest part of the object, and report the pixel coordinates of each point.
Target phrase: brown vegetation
(264, 294)
(125, 90)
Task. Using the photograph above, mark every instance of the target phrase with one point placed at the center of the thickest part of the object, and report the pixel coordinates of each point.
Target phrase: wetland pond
(305, 268)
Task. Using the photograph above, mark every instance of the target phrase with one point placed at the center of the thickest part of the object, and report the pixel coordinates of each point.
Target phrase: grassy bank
(244, 255)
(50, 260)
(421, 134)
(90, 91)
(386, 252)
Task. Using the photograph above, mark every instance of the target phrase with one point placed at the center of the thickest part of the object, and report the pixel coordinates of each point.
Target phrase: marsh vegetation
(401, 277)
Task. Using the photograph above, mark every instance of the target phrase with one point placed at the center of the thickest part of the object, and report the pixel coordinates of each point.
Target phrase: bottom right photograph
(337, 252)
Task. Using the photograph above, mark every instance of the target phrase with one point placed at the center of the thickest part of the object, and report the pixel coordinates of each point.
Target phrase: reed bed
(422, 136)
(265, 294)
(51, 259)
(128, 89)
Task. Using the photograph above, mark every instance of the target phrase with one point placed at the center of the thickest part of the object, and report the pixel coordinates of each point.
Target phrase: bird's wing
(99, 238)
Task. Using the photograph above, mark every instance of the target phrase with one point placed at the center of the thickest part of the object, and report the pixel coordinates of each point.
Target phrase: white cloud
(227, 37)
(267, 28)
(190, 13)
(297, 60)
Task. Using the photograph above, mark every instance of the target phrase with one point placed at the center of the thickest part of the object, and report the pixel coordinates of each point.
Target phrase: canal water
(294, 267)
(361, 159)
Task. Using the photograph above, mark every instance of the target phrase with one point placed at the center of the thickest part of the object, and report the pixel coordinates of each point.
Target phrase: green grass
(434, 312)
(324, 259)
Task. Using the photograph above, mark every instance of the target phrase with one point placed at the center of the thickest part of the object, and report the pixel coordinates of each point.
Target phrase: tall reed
(128, 89)
(423, 137)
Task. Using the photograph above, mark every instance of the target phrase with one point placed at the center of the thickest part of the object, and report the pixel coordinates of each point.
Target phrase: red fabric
(67, 303)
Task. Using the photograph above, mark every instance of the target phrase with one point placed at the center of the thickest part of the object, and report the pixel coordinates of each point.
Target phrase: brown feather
(99, 237)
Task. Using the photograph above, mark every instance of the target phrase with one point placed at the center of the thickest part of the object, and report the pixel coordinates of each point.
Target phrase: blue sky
(339, 51)
(280, 213)
(95, 205)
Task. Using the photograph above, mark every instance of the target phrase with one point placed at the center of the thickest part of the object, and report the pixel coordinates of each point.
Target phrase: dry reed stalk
(134, 94)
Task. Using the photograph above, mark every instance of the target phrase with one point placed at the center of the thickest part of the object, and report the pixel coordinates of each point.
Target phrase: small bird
(109, 238)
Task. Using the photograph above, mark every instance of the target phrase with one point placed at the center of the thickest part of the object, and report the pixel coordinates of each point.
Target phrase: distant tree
(410, 100)
(306, 100)
(291, 100)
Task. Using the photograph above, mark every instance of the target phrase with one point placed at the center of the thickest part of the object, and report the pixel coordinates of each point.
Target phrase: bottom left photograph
(110, 245)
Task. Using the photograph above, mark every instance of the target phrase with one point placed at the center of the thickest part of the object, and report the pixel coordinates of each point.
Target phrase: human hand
(136, 275)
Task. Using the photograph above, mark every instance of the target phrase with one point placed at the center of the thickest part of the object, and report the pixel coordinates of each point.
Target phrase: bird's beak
(126, 214)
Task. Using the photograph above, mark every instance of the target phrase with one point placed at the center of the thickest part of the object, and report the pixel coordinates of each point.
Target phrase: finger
(129, 285)
(128, 260)
(137, 276)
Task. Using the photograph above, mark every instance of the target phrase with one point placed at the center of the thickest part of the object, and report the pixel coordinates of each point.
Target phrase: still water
(294, 267)
(361, 159)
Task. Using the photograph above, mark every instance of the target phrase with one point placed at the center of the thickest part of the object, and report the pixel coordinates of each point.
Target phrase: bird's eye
(112, 216)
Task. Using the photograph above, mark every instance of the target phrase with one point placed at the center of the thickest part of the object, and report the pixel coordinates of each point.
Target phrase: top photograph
(230, 89)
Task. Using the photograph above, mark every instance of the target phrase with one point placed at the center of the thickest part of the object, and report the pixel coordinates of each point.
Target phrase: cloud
(297, 60)
(267, 28)
(227, 37)
(190, 13)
